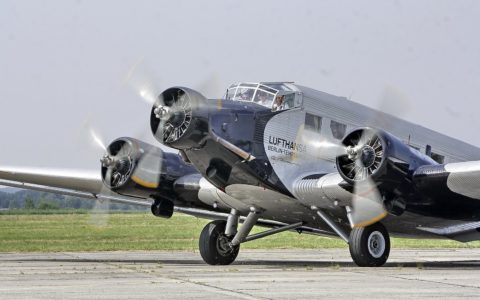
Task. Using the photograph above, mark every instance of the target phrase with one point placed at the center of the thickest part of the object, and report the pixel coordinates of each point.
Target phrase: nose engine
(176, 117)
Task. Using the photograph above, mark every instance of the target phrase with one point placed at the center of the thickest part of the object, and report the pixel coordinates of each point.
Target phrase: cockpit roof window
(260, 93)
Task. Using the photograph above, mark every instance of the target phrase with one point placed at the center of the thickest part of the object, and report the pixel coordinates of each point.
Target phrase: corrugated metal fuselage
(286, 151)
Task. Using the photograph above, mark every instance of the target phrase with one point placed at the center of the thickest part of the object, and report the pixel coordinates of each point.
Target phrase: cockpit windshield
(276, 96)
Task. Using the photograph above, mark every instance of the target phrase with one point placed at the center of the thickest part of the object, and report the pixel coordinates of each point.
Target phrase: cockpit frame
(274, 95)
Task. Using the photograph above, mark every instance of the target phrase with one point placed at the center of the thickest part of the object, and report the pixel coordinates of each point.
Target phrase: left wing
(450, 180)
(451, 191)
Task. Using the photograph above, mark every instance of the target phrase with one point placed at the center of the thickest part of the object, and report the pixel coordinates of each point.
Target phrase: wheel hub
(223, 245)
(376, 244)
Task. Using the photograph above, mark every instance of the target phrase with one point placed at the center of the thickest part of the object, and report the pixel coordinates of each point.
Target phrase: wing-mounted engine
(380, 157)
(134, 168)
(374, 177)
(178, 118)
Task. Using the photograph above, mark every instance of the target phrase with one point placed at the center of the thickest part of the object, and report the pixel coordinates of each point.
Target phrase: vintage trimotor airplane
(286, 157)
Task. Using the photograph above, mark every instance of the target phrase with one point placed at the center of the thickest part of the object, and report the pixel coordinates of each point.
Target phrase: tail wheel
(370, 246)
(215, 246)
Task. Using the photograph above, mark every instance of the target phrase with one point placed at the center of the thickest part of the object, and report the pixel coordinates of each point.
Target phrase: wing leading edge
(83, 184)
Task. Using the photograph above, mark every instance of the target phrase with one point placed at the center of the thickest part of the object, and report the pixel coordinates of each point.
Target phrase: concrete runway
(279, 274)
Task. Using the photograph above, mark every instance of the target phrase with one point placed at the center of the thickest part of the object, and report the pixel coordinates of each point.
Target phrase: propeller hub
(162, 112)
(118, 163)
(172, 114)
(364, 155)
(107, 161)
(352, 152)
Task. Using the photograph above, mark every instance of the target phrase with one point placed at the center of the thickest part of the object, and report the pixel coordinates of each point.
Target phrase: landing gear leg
(220, 241)
(370, 246)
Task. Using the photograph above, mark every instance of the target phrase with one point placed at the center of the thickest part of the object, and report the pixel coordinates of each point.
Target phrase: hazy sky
(63, 63)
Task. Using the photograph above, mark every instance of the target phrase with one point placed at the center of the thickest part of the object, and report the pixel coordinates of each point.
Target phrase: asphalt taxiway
(279, 274)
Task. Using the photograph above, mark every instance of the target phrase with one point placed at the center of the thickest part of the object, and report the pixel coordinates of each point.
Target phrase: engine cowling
(378, 155)
(134, 168)
(178, 118)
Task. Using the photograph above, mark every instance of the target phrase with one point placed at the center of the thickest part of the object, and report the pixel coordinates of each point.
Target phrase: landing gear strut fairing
(285, 157)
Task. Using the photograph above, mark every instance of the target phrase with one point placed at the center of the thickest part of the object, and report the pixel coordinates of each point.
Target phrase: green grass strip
(82, 231)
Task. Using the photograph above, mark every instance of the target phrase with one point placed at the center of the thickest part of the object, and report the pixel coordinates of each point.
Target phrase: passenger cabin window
(338, 129)
(276, 96)
(313, 122)
(438, 158)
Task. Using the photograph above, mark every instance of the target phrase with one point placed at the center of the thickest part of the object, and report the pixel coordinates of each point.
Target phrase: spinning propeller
(174, 110)
(365, 154)
(360, 157)
(100, 212)
(363, 159)
(171, 108)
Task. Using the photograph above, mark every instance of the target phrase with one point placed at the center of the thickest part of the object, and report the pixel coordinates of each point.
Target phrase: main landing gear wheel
(370, 246)
(215, 246)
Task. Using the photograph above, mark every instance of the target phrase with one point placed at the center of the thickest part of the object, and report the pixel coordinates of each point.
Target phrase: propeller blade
(317, 145)
(142, 82)
(148, 169)
(367, 201)
(100, 213)
(211, 87)
(97, 140)
(367, 204)
(392, 101)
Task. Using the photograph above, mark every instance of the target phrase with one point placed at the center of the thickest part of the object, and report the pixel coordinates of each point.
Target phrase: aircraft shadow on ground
(280, 264)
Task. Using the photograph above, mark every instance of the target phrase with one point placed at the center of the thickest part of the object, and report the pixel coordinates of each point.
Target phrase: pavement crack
(221, 290)
(419, 280)
(434, 281)
(197, 284)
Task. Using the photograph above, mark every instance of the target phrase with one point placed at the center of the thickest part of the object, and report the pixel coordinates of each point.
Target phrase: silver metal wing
(83, 184)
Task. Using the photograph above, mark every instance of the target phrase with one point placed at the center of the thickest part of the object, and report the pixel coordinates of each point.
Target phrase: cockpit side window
(284, 101)
(230, 93)
(289, 101)
(263, 98)
(244, 94)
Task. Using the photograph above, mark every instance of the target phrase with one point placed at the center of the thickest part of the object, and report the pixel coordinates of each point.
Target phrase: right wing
(83, 184)
(89, 185)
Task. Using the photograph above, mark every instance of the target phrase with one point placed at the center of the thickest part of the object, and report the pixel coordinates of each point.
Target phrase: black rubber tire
(209, 244)
(359, 246)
